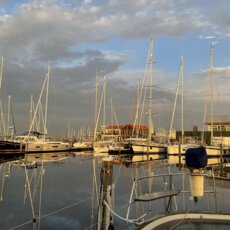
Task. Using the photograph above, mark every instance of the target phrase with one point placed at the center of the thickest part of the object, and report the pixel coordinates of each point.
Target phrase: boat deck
(202, 226)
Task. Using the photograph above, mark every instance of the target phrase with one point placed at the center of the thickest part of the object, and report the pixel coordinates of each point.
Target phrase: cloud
(74, 37)
(206, 37)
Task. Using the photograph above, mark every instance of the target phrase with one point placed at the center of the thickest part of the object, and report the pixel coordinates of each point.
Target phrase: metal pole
(105, 220)
(180, 157)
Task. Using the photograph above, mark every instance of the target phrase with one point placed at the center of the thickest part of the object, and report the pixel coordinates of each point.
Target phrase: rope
(122, 218)
(20, 225)
(61, 209)
(51, 213)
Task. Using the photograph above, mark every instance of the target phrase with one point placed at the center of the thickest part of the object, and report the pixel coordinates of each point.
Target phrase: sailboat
(7, 144)
(101, 145)
(34, 141)
(89, 144)
(179, 148)
(212, 150)
(146, 148)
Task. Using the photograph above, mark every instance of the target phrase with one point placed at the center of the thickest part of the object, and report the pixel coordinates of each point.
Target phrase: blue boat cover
(196, 157)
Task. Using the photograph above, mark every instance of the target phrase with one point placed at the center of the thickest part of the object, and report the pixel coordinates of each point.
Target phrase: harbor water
(59, 191)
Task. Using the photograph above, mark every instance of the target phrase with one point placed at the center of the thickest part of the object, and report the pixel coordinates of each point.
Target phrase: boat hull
(47, 147)
(176, 149)
(11, 147)
(144, 149)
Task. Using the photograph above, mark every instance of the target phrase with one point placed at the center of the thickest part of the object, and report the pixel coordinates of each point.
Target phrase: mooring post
(105, 220)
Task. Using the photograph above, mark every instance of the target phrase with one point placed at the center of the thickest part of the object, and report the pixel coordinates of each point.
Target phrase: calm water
(63, 192)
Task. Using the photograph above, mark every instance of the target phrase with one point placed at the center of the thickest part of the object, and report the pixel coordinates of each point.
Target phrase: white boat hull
(174, 149)
(101, 150)
(144, 149)
(49, 146)
(215, 151)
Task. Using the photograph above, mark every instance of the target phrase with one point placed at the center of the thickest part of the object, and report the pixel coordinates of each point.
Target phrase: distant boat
(103, 146)
(34, 141)
(179, 148)
(10, 146)
(147, 146)
(82, 146)
(37, 142)
(213, 150)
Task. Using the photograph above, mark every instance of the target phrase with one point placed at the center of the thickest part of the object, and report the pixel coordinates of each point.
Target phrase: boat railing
(167, 192)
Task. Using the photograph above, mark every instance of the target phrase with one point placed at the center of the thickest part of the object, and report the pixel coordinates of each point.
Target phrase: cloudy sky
(78, 37)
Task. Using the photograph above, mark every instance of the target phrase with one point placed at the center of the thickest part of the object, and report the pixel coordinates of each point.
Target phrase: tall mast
(180, 83)
(2, 118)
(39, 105)
(150, 89)
(182, 99)
(47, 98)
(136, 123)
(105, 79)
(1, 73)
(99, 109)
(31, 110)
(8, 117)
(96, 97)
(111, 104)
(211, 88)
(209, 95)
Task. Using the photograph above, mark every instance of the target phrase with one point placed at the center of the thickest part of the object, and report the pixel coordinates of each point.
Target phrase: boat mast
(8, 117)
(182, 99)
(151, 130)
(211, 88)
(99, 110)
(136, 123)
(96, 97)
(2, 118)
(31, 109)
(105, 81)
(209, 94)
(38, 105)
(111, 111)
(180, 81)
(47, 97)
(1, 73)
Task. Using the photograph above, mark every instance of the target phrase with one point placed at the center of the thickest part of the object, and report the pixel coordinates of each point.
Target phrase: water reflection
(58, 185)
(173, 159)
(61, 190)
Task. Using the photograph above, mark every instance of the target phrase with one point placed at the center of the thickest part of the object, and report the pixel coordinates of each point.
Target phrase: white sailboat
(85, 145)
(156, 150)
(101, 145)
(35, 141)
(179, 148)
(212, 150)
